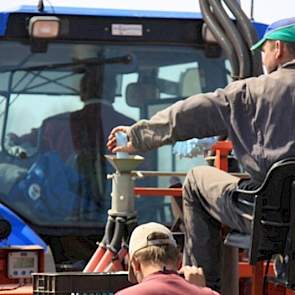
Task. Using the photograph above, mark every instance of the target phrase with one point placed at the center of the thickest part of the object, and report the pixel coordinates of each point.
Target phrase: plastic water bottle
(121, 139)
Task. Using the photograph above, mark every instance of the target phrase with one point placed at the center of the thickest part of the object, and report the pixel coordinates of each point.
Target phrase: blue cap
(283, 30)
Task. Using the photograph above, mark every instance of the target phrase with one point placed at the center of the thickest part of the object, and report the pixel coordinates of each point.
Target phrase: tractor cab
(67, 79)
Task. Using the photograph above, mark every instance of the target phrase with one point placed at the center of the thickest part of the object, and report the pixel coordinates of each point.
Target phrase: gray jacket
(257, 114)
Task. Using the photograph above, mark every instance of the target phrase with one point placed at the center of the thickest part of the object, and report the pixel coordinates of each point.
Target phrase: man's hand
(112, 143)
(194, 275)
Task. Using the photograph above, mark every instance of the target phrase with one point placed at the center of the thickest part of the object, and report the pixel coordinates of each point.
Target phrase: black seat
(273, 220)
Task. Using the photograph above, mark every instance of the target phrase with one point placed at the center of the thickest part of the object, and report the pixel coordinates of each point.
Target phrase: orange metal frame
(160, 192)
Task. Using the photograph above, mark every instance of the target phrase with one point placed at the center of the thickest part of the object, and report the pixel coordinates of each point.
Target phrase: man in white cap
(256, 114)
(154, 259)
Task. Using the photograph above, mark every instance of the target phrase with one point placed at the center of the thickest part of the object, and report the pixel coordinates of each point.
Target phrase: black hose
(116, 242)
(249, 34)
(130, 226)
(220, 36)
(235, 38)
(109, 231)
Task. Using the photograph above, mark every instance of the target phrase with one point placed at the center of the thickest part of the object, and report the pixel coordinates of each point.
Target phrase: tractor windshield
(57, 109)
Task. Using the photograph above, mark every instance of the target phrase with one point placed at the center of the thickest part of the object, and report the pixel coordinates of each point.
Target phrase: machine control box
(21, 264)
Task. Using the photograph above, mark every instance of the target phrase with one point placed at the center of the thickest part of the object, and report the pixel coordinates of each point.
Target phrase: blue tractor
(68, 75)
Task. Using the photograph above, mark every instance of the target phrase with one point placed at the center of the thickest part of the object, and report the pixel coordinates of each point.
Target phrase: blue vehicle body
(60, 10)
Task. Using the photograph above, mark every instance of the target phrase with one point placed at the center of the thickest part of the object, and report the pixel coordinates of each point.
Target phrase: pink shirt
(168, 283)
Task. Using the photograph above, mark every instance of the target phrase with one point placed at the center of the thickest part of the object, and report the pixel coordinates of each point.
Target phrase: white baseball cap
(141, 239)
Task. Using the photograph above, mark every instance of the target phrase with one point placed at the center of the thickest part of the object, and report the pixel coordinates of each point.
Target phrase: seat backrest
(138, 93)
(274, 213)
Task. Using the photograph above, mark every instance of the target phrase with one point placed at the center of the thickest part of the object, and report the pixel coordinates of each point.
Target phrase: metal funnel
(124, 164)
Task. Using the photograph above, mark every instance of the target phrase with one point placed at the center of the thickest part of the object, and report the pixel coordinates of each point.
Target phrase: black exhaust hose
(249, 34)
(116, 242)
(109, 231)
(220, 36)
(235, 38)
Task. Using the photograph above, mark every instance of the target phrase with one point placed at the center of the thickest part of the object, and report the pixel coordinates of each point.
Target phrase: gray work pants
(207, 204)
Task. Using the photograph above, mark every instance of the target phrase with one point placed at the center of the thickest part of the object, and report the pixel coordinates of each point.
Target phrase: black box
(79, 282)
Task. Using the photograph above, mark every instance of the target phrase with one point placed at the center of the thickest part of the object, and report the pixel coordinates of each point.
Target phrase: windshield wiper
(125, 59)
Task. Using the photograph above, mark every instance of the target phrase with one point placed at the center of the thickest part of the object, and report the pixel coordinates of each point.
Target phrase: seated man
(255, 114)
(78, 138)
(72, 132)
(154, 260)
